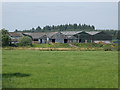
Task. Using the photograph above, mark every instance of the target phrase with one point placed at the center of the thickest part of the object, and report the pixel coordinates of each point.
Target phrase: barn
(51, 37)
(90, 37)
(79, 36)
(83, 37)
(40, 37)
(64, 37)
(100, 36)
(58, 38)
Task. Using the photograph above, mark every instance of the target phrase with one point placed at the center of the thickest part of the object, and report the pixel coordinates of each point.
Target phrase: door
(40, 40)
(53, 40)
(65, 40)
(79, 40)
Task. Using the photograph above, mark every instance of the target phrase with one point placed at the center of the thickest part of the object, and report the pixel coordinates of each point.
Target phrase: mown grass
(60, 69)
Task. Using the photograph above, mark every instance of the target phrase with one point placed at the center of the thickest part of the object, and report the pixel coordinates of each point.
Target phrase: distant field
(60, 69)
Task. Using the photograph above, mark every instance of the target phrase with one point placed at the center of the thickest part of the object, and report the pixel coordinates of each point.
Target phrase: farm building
(93, 36)
(51, 37)
(15, 36)
(100, 37)
(80, 35)
(40, 37)
(64, 37)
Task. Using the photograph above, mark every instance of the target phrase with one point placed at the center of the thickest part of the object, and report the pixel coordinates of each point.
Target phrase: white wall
(74, 41)
(59, 40)
(39, 41)
(43, 41)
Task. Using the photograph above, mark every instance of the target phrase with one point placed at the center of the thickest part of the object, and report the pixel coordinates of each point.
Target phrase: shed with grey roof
(40, 37)
(72, 39)
(15, 36)
(59, 38)
(102, 37)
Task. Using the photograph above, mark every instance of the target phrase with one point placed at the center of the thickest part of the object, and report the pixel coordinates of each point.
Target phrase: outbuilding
(15, 36)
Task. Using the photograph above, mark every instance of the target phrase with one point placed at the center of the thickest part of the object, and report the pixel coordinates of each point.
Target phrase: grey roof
(34, 35)
(70, 32)
(59, 36)
(55, 35)
(15, 34)
(43, 37)
(71, 37)
(49, 34)
(40, 34)
(93, 32)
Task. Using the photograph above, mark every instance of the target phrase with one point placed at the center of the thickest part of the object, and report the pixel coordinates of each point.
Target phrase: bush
(13, 45)
(107, 48)
(25, 41)
(88, 45)
(4, 37)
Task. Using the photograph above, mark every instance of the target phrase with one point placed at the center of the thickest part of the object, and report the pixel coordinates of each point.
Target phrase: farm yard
(59, 69)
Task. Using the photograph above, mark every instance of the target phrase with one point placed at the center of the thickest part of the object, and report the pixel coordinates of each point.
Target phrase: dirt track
(53, 49)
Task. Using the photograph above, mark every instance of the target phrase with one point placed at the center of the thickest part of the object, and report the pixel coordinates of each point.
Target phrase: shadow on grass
(8, 75)
(8, 82)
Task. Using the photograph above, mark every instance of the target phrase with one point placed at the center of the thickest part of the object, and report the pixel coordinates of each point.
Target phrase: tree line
(66, 27)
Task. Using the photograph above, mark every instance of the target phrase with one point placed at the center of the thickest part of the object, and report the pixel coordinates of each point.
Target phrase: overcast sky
(23, 15)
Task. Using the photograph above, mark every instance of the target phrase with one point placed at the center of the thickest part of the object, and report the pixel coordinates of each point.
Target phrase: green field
(60, 69)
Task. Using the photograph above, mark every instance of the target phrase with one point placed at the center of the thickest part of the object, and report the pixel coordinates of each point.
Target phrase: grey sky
(27, 15)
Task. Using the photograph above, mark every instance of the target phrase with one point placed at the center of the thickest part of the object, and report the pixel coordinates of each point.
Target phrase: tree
(118, 35)
(79, 26)
(32, 30)
(93, 27)
(6, 41)
(47, 28)
(75, 26)
(25, 41)
(16, 30)
(38, 28)
(62, 27)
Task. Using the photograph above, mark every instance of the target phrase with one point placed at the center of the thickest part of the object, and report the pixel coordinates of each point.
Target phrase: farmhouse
(64, 37)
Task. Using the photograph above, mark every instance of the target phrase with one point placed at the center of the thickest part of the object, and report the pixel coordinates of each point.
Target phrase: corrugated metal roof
(15, 34)
(71, 37)
(35, 35)
(63, 34)
(43, 37)
(59, 36)
(70, 32)
(93, 32)
(40, 34)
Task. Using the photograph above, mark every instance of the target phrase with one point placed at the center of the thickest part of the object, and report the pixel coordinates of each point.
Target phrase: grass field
(60, 69)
